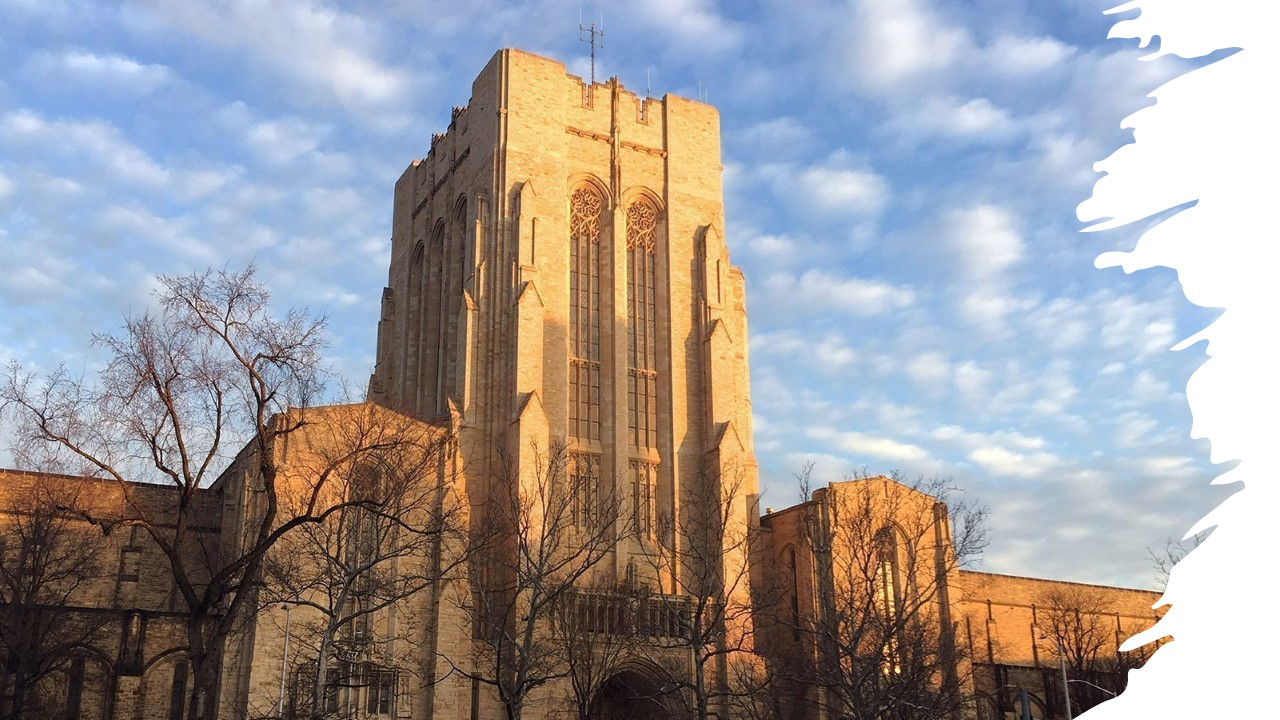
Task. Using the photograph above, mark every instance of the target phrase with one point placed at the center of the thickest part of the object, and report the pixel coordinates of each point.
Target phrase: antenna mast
(588, 34)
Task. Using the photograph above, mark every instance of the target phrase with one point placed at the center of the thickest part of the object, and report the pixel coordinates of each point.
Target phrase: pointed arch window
(642, 330)
(427, 380)
(644, 481)
(585, 210)
(886, 572)
(794, 572)
(886, 545)
(417, 305)
(448, 372)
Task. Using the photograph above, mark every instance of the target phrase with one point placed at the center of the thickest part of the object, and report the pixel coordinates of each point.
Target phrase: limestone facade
(558, 275)
(821, 564)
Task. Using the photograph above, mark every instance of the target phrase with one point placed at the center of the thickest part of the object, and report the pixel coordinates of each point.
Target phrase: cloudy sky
(901, 181)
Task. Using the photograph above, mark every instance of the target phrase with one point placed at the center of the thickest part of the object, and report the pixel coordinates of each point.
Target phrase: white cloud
(842, 191)
(1112, 368)
(1000, 461)
(133, 224)
(331, 51)
(95, 141)
(777, 343)
(1062, 323)
(1022, 55)
(1057, 391)
(6, 186)
(1168, 466)
(832, 352)
(1133, 429)
(120, 72)
(892, 43)
(970, 440)
(988, 309)
(693, 24)
(972, 380)
(779, 135)
(975, 119)
(1147, 388)
(929, 369)
(985, 239)
(840, 187)
(819, 290)
(879, 447)
(1143, 327)
(977, 116)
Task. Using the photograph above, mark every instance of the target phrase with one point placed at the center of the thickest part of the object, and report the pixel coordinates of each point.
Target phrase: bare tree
(47, 556)
(1172, 553)
(1078, 623)
(702, 557)
(879, 641)
(754, 690)
(208, 371)
(546, 525)
(350, 571)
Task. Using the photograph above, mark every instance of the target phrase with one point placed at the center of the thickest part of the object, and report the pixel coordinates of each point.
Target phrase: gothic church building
(559, 283)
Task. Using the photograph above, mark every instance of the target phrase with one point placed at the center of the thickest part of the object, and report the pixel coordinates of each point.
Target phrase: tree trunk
(319, 699)
(204, 675)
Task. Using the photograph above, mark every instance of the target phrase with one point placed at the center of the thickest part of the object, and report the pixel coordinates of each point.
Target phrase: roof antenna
(648, 86)
(591, 33)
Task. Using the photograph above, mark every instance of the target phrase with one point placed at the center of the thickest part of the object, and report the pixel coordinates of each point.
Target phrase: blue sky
(901, 181)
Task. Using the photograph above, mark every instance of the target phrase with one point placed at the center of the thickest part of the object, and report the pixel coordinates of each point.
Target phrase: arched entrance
(631, 695)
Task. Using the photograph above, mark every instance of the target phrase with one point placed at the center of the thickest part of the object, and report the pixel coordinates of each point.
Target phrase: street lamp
(1099, 687)
(284, 659)
(1062, 663)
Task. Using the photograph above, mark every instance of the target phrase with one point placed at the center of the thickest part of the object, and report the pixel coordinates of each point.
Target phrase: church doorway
(630, 695)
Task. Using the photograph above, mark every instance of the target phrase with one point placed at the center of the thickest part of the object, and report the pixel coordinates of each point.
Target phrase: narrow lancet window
(644, 477)
(584, 489)
(585, 208)
(642, 361)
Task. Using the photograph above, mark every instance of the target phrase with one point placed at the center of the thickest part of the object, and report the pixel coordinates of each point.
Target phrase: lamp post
(1062, 663)
(284, 659)
(1099, 687)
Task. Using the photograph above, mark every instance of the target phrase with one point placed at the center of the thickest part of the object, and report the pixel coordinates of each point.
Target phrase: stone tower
(558, 269)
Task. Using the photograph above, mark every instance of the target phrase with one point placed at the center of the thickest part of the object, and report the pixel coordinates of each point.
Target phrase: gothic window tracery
(887, 597)
(642, 361)
(585, 211)
(584, 484)
(644, 477)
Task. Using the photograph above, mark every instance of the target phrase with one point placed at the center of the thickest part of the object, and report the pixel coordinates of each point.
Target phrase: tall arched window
(642, 359)
(887, 571)
(585, 209)
(427, 379)
(887, 589)
(642, 354)
(449, 372)
(411, 393)
(794, 570)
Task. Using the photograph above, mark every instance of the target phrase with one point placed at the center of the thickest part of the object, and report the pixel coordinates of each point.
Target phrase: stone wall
(122, 616)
